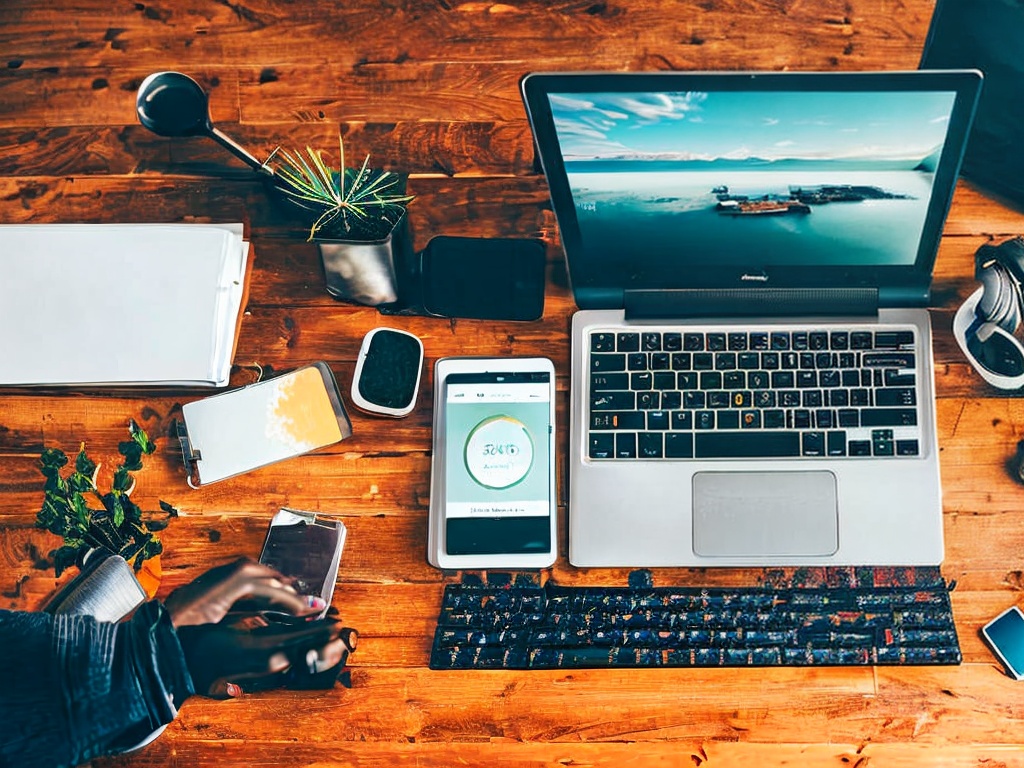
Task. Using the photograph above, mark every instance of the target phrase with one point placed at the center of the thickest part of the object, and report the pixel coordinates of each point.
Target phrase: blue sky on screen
(739, 125)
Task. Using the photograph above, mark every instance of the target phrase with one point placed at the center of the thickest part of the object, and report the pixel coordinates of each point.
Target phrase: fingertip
(233, 690)
(315, 603)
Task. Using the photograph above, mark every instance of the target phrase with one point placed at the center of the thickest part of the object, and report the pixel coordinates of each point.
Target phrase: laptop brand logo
(757, 277)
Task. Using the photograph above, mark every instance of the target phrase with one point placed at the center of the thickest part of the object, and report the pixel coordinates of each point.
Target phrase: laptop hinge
(750, 302)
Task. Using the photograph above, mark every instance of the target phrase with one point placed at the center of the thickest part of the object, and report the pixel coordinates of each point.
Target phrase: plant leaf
(118, 511)
(79, 483)
(132, 453)
(141, 436)
(51, 461)
(122, 479)
(66, 555)
(81, 509)
(118, 524)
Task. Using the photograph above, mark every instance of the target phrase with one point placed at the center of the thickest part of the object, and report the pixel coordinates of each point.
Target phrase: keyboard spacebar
(720, 445)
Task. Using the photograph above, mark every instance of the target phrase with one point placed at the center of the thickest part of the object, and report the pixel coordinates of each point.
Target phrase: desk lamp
(173, 104)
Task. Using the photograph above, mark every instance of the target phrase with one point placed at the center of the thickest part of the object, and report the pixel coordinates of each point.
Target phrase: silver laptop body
(729, 218)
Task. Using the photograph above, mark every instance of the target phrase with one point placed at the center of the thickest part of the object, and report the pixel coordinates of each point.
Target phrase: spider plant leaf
(297, 179)
(321, 175)
(341, 166)
(325, 218)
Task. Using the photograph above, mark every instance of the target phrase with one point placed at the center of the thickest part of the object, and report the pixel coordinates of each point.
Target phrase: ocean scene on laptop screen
(741, 177)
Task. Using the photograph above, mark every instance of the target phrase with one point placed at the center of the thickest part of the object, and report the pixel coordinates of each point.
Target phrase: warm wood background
(431, 88)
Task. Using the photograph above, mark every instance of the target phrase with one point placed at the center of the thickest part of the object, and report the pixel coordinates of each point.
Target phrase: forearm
(75, 688)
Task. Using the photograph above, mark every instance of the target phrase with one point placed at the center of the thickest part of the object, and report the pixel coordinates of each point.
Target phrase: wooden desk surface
(431, 88)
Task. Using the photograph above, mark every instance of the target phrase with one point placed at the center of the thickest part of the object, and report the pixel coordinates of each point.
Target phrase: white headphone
(985, 324)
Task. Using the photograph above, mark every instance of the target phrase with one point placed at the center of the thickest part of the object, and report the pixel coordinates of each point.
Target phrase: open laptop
(751, 254)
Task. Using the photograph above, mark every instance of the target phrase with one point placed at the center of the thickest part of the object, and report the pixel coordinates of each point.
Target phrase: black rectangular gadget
(483, 278)
(492, 473)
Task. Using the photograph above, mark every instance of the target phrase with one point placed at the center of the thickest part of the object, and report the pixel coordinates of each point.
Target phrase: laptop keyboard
(854, 616)
(706, 394)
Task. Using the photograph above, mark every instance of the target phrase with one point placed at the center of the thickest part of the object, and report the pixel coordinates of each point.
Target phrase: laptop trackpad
(765, 513)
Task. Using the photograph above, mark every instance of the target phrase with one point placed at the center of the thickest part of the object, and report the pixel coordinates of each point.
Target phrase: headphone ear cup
(1000, 302)
(1012, 319)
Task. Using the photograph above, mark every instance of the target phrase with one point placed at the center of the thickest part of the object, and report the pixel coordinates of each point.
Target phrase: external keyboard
(827, 616)
(826, 392)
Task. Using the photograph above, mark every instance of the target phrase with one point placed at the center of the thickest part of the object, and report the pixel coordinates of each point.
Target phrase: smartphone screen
(306, 549)
(270, 420)
(1005, 633)
(497, 482)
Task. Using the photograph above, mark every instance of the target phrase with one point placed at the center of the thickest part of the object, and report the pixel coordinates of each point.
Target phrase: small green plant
(361, 204)
(77, 511)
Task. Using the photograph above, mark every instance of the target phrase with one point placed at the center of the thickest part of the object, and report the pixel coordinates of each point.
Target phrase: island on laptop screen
(785, 175)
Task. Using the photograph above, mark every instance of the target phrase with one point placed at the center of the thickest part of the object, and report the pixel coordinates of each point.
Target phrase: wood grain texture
(430, 88)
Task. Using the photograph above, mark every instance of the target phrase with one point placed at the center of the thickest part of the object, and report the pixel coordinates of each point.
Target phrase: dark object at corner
(986, 36)
(1018, 463)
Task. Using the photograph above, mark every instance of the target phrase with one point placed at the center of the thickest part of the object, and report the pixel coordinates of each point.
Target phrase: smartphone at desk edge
(1005, 636)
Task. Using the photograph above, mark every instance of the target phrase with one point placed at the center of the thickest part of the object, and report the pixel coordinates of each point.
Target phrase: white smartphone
(233, 432)
(1005, 635)
(492, 489)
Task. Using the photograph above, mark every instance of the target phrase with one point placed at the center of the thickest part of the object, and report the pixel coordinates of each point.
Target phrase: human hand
(226, 660)
(209, 598)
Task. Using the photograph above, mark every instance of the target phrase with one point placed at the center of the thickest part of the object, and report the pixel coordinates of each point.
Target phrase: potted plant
(357, 218)
(85, 518)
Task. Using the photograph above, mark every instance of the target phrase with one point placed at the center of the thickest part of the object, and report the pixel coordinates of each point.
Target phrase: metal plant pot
(367, 272)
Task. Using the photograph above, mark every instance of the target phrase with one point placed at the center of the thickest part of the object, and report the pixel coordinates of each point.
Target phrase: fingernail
(349, 636)
(316, 602)
(234, 691)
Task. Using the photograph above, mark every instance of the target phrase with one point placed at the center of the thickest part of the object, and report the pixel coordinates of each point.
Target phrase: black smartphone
(483, 278)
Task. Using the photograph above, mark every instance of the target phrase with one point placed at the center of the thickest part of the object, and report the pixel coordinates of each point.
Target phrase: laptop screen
(684, 180)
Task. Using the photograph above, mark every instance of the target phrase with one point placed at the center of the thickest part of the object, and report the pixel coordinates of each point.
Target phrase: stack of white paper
(120, 304)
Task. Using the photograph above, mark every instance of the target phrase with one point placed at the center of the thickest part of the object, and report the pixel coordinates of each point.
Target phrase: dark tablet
(484, 278)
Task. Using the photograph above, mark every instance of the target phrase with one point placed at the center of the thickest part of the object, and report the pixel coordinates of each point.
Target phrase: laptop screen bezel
(592, 289)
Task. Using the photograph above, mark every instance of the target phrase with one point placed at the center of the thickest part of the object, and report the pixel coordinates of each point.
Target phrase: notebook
(121, 304)
(733, 231)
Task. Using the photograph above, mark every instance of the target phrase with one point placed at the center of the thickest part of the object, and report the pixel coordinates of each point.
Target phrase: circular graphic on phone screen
(499, 452)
